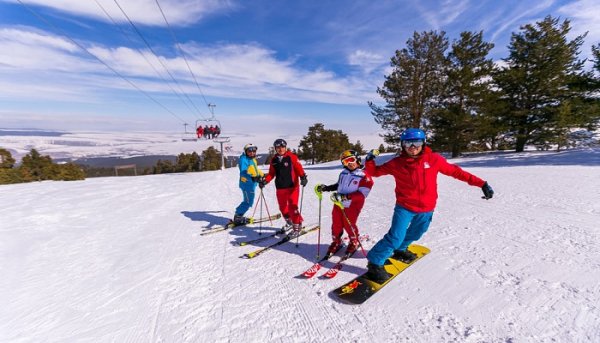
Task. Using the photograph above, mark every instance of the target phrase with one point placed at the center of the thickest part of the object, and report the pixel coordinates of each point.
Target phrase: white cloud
(584, 16)
(228, 70)
(366, 60)
(518, 13)
(442, 14)
(178, 12)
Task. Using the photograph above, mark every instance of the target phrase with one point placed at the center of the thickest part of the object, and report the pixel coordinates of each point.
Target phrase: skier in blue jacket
(249, 177)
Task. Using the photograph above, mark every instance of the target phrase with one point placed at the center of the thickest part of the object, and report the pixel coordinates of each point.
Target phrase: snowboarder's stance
(249, 177)
(285, 168)
(415, 171)
(352, 189)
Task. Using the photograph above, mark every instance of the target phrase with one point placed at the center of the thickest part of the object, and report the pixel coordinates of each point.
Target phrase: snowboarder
(285, 168)
(415, 170)
(249, 178)
(352, 189)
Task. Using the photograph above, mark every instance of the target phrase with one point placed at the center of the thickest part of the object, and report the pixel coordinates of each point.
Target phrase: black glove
(488, 192)
(319, 188)
(339, 197)
(257, 178)
(303, 180)
(329, 188)
(372, 154)
(262, 182)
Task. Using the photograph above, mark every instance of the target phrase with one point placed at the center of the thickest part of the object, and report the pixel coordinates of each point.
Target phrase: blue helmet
(410, 134)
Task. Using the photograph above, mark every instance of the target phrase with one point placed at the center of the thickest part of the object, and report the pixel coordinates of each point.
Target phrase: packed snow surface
(122, 260)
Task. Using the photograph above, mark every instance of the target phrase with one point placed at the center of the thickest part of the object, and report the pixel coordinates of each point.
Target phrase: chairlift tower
(222, 140)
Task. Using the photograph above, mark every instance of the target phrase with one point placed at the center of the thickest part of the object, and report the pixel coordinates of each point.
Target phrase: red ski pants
(339, 222)
(288, 204)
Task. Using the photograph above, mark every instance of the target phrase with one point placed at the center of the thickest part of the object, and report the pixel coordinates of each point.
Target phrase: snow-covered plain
(128, 144)
(122, 260)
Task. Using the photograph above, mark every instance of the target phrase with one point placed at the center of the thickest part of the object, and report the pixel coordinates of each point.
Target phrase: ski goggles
(251, 149)
(348, 160)
(417, 143)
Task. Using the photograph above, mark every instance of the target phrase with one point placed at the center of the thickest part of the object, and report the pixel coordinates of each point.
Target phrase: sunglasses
(348, 160)
(252, 149)
(417, 143)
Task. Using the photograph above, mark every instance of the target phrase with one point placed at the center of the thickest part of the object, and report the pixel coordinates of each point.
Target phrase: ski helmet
(250, 147)
(280, 142)
(349, 156)
(412, 134)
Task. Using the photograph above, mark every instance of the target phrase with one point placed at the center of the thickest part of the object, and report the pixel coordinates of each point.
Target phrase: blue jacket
(248, 169)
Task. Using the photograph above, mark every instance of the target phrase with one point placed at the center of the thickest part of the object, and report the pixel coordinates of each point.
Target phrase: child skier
(352, 189)
(249, 177)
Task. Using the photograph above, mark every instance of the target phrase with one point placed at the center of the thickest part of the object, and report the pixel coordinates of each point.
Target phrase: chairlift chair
(188, 136)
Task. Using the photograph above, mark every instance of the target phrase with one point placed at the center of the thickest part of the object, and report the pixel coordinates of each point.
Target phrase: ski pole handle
(318, 191)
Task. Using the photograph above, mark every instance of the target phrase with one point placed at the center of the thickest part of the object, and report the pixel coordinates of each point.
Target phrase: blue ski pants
(248, 194)
(407, 227)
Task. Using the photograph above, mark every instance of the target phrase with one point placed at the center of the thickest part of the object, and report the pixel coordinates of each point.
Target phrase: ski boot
(288, 224)
(377, 273)
(352, 247)
(295, 230)
(333, 247)
(240, 220)
(404, 256)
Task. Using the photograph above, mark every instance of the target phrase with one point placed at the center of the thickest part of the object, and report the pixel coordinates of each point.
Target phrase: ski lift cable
(146, 59)
(182, 53)
(156, 56)
(99, 60)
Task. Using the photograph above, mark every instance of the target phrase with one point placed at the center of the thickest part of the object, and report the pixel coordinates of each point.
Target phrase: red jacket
(416, 178)
(285, 169)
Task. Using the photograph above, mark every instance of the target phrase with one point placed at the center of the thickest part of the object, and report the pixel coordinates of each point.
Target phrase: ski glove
(488, 192)
(339, 197)
(303, 180)
(372, 154)
(262, 182)
(323, 188)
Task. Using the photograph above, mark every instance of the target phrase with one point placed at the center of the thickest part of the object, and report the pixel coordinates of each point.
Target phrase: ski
(231, 225)
(310, 272)
(284, 240)
(260, 239)
(333, 271)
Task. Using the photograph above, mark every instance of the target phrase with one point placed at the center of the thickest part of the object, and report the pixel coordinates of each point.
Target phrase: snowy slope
(121, 260)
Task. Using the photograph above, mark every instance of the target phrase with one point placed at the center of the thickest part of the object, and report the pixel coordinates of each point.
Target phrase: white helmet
(250, 147)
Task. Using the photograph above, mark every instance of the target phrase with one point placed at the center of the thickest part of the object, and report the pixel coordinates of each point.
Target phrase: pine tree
(542, 64)
(70, 172)
(414, 87)
(211, 159)
(35, 167)
(6, 159)
(322, 145)
(467, 83)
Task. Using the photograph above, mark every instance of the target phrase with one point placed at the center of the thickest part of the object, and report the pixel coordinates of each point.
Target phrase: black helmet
(280, 142)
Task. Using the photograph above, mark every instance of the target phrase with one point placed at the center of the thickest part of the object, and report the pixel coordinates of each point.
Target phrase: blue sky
(275, 66)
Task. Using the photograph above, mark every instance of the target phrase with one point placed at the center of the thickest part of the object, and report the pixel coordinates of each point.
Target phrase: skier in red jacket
(285, 168)
(415, 171)
(352, 189)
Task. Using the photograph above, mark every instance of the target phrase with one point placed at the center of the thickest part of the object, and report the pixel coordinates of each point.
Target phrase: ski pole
(320, 196)
(261, 212)
(266, 206)
(301, 199)
(354, 229)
